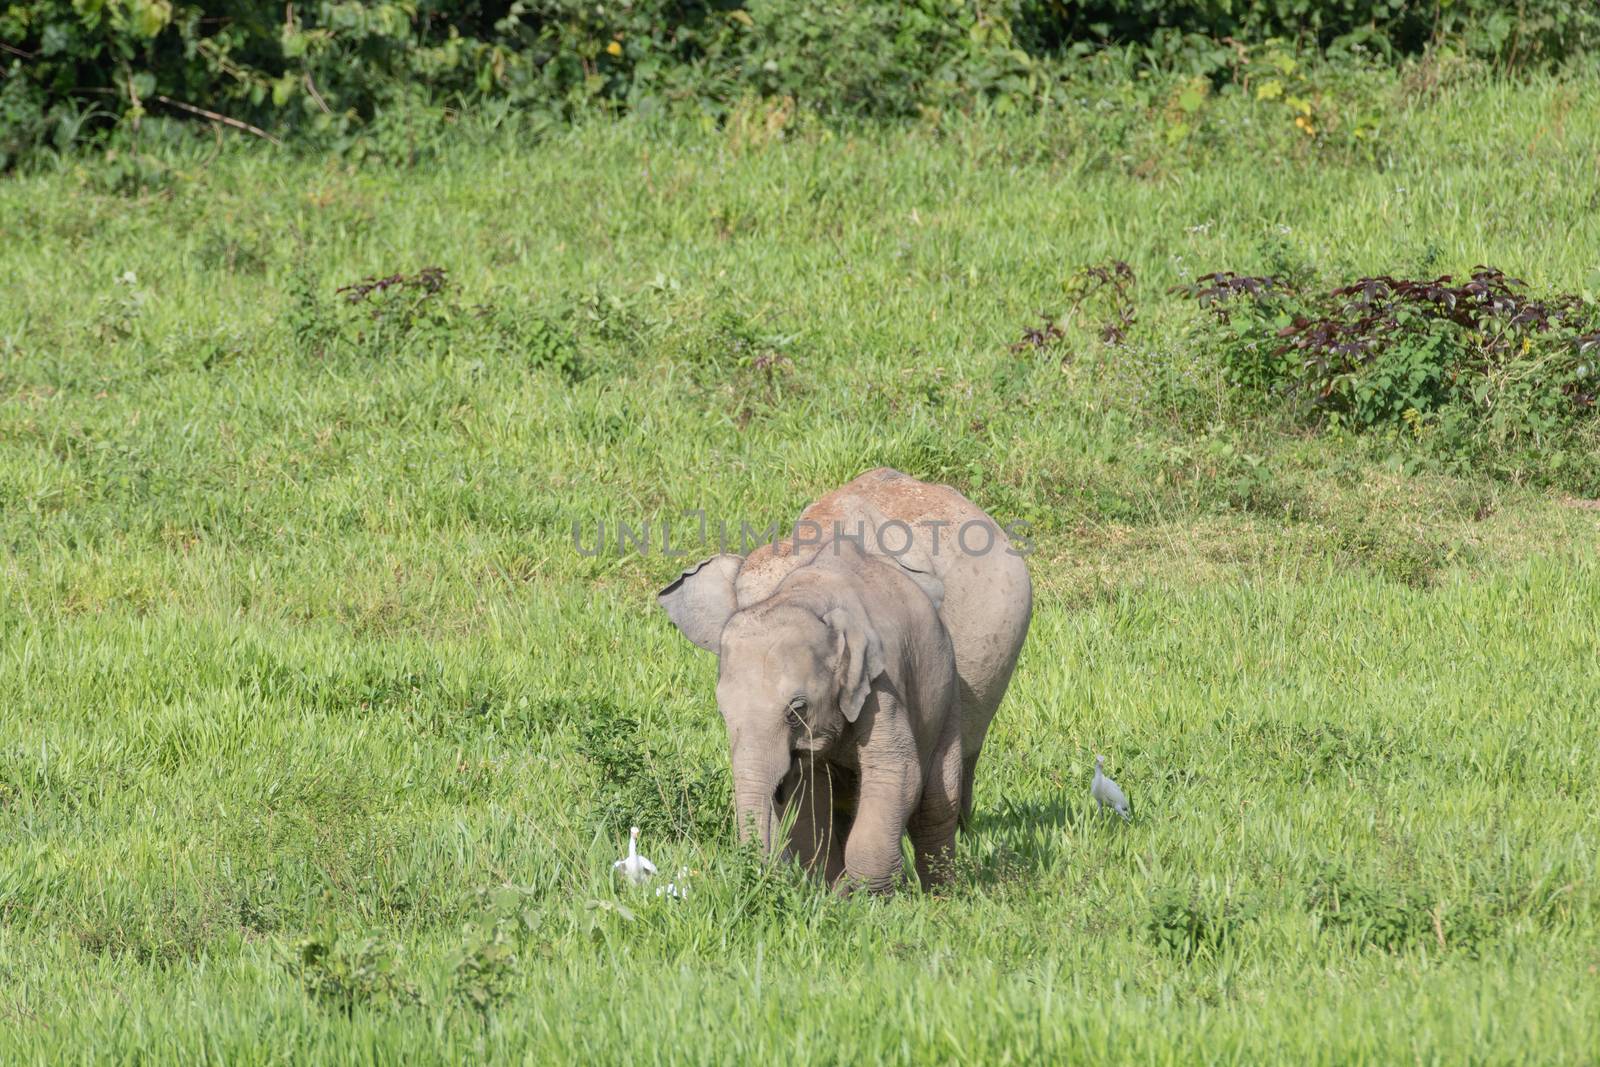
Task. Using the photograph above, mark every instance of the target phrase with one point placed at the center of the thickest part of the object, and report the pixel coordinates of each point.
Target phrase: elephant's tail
(969, 767)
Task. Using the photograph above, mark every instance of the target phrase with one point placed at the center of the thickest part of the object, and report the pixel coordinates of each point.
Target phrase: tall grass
(319, 736)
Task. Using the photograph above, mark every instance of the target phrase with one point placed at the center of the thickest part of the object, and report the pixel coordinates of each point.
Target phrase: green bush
(1529, 32)
(330, 69)
(371, 73)
(1479, 368)
(1196, 922)
(345, 975)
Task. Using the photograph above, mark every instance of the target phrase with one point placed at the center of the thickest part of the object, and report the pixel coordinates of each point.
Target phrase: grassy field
(318, 735)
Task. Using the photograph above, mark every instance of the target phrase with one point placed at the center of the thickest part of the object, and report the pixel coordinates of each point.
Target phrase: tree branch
(216, 117)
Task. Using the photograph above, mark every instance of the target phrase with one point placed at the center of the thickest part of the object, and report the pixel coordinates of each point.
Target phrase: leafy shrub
(1385, 917)
(1475, 367)
(1326, 104)
(1525, 32)
(399, 305)
(391, 316)
(1191, 924)
(1393, 914)
(768, 892)
(117, 316)
(1104, 292)
(345, 975)
(632, 789)
(374, 76)
(486, 962)
(1046, 335)
(377, 78)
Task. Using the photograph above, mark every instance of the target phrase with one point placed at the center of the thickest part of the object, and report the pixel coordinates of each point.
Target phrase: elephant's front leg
(872, 853)
(811, 838)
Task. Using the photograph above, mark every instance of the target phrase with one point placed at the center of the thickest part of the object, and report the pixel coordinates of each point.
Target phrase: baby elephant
(839, 692)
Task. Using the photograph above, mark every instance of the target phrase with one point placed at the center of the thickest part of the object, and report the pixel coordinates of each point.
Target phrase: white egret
(1107, 793)
(634, 867)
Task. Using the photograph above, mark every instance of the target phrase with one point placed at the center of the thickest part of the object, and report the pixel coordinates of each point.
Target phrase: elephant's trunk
(759, 786)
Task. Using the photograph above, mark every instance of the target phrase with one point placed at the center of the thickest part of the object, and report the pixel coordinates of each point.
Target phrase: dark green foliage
(403, 313)
(1394, 914)
(345, 976)
(1477, 369)
(639, 782)
(1527, 32)
(378, 79)
(767, 892)
(375, 78)
(386, 316)
(348, 975)
(1383, 916)
(1195, 923)
(486, 963)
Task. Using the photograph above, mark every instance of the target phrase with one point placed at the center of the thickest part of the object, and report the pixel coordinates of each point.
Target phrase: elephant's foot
(879, 885)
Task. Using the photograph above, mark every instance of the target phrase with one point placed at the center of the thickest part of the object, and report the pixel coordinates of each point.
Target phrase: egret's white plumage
(634, 867)
(678, 890)
(1107, 793)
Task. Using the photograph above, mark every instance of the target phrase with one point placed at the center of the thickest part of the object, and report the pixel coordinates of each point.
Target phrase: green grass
(295, 646)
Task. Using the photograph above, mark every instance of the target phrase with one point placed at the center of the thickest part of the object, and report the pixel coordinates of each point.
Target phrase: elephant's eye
(797, 708)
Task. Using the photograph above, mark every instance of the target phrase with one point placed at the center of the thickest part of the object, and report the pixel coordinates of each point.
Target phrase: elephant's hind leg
(933, 824)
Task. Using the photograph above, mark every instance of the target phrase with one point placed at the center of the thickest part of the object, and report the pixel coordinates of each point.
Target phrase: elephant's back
(770, 563)
(988, 595)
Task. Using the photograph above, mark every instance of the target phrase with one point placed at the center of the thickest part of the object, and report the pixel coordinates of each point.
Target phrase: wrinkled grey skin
(839, 695)
(900, 663)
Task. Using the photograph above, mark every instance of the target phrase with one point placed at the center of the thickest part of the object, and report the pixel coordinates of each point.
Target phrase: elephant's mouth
(787, 784)
(813, 745)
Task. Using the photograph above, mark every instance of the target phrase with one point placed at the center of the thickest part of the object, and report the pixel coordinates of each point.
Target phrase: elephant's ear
(700, 601)
(860, 657)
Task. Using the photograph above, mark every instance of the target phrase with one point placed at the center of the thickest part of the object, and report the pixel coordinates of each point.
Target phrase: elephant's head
(793, 670)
